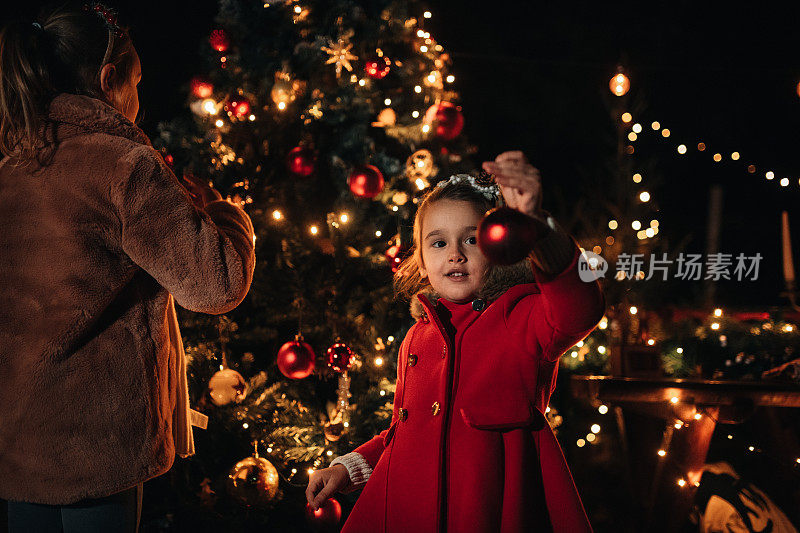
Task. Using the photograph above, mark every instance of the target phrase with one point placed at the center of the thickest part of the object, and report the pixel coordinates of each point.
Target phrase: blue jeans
(119, 512)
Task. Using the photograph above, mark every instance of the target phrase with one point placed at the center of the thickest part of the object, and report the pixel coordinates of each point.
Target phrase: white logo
(591, 266)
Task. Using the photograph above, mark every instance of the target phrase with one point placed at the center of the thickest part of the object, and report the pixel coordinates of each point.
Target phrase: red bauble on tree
(365, 181)
(326, 518)
(395, 255)
(506, 236)
(219, 41)
(201, 88)
(446, 119)
(238, 106)
(339, 357)
(378, 67)
(301, 161)
(296, 359)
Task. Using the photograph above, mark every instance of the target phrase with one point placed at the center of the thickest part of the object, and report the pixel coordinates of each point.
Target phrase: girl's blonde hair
(407, 280)
(62, 53)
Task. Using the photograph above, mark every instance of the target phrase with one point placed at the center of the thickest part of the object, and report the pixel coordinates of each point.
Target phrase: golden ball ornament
(253, 481)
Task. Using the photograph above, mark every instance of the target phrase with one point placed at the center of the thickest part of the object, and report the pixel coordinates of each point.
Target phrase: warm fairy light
(281, 105)
(637, 178)
(633, 310)
(636, 225)
(788, 328)
(619, 84)
(387, 101)
(344, 218)
(420, 33)
(417, 89)
(632, 136)
(698, 416)
(294, 470)
(298, 9)
(644, 196)
(678, 424)
(591, 437)
(277, 215)
(665, 132)
(420, 183)
(681, 482)
(547, 410)
(362, 82)
(427, 14)
(655, 125)
(674, 399)
(450, 78)
(735, 156)
(390, 339)
(751, 169)
(654, 223)
(595, 428)
(701, 147)
(383, 393)
(415, 114)
(612, 224)
(679, 350)
(603, 324)
(717, 157)
(770, 175)
(603, 409)
(637, 128)
(797, 460)
(784, 182)
(219, 123)
(245, 425)
(329, 453)
(378, 233)
(252, 118)
(581, 443)
(715, 325)
(662, 453)
(574, 354)
(641, 235)
(650, 342)
(681, 149)
(423, 48)
(751, 448)
(426, 128)
(210, 106)
(601, 349)
(626, 117)
(717, 312)
(378, 361)
(313, 230)
(395, 208)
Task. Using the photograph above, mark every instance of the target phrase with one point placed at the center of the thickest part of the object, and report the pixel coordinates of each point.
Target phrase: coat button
(435, 408)
(412, 359)
(403, 414)
(478, 305)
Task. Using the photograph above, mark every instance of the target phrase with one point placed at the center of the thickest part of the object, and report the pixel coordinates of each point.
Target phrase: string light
(581, 443)
(637, 178)
(595, 428)
(681, 482)
(313, 230)
(378, 361)
(665, 132)
(662, 453)
(344, 218)
(717, 158)
(715, 325)
(632, 136)
(633, 310)
(378, 233)
(612, 224)
(277, 215)
(603, 409)
(655, 125)
(636, 225)
(717, 312)
(219, 123)
(735, 156)
(674, 399)
(644, 196)
(626, 117)
(591, 437)
(681, 149)
(601, 349)
(678, 424)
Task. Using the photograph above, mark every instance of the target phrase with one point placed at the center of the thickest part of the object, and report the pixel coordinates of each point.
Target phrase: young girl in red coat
(469, 448)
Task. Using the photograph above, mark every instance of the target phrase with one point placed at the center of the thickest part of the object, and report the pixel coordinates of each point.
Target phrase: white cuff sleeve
(357, 468)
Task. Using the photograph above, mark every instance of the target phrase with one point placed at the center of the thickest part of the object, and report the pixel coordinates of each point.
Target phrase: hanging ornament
(420, 167)
(378, 67)
(395, 255)
(446, 119)
(227, 386)
(506, 236)
(285, 90)
(219, 41)
(238, 106)
(387, 117)
(365, 181)
(325, 518)
(301, 161)
(340, 55)
(339, 357)
(334, 428)
(201, 87)
(296, 359)
(253, 481)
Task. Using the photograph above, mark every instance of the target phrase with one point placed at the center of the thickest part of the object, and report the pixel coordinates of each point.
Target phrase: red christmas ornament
(201, 88)
(296, 359)
(326, 517)
(238, 106)
(365, 181)
(378, 67)
(395, 255)
(446, 118)
(219, 40)
(301, 161)
(506, 236)
(340, 357)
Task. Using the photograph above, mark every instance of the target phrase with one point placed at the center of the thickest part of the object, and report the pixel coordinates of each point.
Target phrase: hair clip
(38, 26)
(487, 188)
(108, 15)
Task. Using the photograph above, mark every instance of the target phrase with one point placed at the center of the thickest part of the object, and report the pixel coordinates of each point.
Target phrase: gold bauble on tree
(227, 386)
(253, 481)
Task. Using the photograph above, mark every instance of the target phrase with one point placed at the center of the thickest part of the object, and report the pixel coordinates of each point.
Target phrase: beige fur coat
(93, 248)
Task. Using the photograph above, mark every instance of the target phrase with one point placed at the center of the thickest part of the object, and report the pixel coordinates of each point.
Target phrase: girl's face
(451, 259)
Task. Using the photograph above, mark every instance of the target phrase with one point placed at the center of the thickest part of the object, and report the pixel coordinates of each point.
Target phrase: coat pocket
(502, 418)
(390, 434)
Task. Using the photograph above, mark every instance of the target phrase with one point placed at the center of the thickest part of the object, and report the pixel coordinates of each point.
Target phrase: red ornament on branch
(301, 161)
(506, 236)
(326, 518)
(378, 67)
(201, 88)
(219, 41)
(365, 181)
(296, 359)
(238, 106)
(340, 357)
(395, 255)
(446, 119)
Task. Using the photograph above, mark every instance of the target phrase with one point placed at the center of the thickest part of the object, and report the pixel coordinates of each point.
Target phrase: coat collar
(501, 278)
(73, 114)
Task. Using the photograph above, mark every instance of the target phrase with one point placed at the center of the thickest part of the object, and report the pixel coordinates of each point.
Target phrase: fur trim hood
(501, 278)
(73, 114)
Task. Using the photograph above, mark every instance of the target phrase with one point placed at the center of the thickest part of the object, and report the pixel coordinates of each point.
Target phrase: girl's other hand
(519, 181)
(322, 484)
(200, 191)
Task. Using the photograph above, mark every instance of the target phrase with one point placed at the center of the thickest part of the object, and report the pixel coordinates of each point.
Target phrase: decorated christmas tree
(326, 120)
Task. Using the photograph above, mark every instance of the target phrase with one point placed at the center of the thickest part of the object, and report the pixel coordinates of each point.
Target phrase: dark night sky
(534, 76)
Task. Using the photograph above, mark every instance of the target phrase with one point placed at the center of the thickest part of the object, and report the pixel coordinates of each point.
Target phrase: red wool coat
(468, 448)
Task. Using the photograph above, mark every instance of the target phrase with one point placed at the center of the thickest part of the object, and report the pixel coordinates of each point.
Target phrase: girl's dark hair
(62, 52)
(407, 280)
